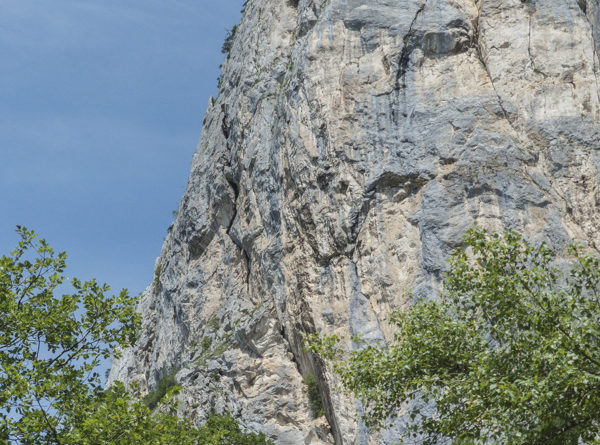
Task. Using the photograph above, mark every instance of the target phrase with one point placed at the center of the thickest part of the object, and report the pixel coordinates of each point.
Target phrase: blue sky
(101, 107)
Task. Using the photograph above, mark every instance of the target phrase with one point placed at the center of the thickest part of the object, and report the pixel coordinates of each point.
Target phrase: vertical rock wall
(352, 144)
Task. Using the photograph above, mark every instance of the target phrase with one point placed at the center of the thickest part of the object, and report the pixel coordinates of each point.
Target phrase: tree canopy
(509, 353)
(50, 346)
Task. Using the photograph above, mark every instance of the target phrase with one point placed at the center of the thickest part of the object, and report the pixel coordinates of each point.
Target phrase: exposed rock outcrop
(351, 145)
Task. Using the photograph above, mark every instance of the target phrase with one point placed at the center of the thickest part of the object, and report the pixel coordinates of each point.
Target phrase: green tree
(50, 346)
(510, 352)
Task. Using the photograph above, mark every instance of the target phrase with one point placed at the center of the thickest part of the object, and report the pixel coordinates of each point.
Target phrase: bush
(157, 273)
(206, 343)
(165, 383)
(213, 323)
(228, 43)
(315, 402)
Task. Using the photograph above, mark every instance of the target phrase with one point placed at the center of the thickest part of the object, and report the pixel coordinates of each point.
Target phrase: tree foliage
(510, 353)
(50, 346)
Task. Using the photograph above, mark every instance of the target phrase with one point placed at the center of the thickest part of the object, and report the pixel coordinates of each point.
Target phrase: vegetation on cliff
(315, 401)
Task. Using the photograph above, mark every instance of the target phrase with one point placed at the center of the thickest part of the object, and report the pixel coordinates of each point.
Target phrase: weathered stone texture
(351, 145)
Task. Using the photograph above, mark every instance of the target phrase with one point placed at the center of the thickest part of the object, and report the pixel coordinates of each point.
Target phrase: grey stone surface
(352, 144)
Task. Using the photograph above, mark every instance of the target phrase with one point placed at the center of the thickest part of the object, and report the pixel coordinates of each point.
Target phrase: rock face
(352, 144)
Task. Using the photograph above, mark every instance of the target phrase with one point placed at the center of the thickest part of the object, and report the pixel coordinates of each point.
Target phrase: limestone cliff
(351, 145)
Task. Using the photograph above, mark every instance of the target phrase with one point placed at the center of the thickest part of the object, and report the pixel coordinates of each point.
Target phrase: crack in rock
(409, 45)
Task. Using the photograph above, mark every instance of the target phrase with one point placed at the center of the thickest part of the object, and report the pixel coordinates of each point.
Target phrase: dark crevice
(359, 219)
(235, 188)
(247, 260)
(410, 42)
(231, 221)
(243, 250)
(224, 124)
